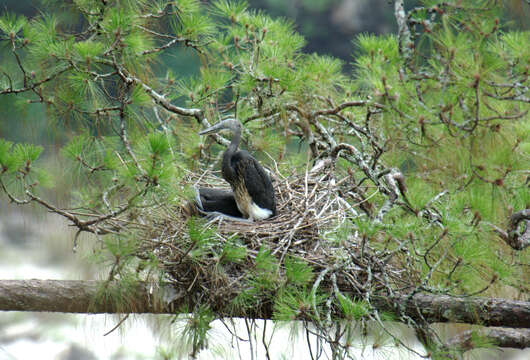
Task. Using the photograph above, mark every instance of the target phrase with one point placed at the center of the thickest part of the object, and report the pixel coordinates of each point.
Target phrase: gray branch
(405, 43)
(518, 239)
(94, 297)
(503, 337)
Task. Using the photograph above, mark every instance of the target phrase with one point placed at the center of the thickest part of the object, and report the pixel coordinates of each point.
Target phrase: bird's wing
(212, 193)
(258, 183)
(218, 201)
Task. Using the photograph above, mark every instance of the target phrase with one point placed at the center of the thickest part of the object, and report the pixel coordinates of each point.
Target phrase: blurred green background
(329, 26)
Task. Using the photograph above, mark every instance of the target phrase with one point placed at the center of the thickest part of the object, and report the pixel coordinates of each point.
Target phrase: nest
(306, 207)
(309, 225)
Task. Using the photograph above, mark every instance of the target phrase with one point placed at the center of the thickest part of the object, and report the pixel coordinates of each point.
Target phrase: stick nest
(313, 223)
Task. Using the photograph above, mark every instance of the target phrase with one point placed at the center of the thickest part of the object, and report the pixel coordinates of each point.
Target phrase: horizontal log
(79, 296)
(455, 309)
(503, 337)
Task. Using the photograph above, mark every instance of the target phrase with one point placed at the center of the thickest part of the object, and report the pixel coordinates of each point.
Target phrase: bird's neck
(227, 168)
(236, 139)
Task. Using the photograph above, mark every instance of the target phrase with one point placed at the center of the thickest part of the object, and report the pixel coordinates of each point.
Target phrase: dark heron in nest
(251, 185)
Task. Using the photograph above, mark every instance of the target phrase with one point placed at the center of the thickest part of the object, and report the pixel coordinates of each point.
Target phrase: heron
(251, 185)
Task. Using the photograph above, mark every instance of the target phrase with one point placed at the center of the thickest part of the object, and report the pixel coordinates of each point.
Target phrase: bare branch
(503, 337)
(81, 296)
(405, 43)
(518, 240)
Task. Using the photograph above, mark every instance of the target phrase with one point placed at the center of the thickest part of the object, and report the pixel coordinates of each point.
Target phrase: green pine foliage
(11, 24)
(352, 309)
(6, 159)
(203, 240)
(233, 252)
(232, 10)
(298, 273)
(263, 280)
(266, 263)
(195, 332)
(295, 303)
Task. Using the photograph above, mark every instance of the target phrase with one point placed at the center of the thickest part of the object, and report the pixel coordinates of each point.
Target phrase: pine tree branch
(517, 239)
(470, 310)
(503, 337)
(70, 296)
(405, 42)
(81, 296)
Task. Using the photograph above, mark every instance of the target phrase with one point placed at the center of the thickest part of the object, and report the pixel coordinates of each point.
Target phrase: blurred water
(37, 245)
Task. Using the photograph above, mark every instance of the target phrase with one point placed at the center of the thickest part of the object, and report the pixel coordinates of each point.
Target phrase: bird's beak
(206, 131)
(212, 129)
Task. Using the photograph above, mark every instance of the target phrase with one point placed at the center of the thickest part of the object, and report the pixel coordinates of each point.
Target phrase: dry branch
(471, 310)
(503, 337)
(78, 296)
(517, 240)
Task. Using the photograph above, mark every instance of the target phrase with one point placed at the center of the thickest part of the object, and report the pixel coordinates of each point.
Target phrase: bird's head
(230, 124)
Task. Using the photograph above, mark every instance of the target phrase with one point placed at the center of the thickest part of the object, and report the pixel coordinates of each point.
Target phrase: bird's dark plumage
(217, 200)
(252, 187)
(257, 182)
(212, 202)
